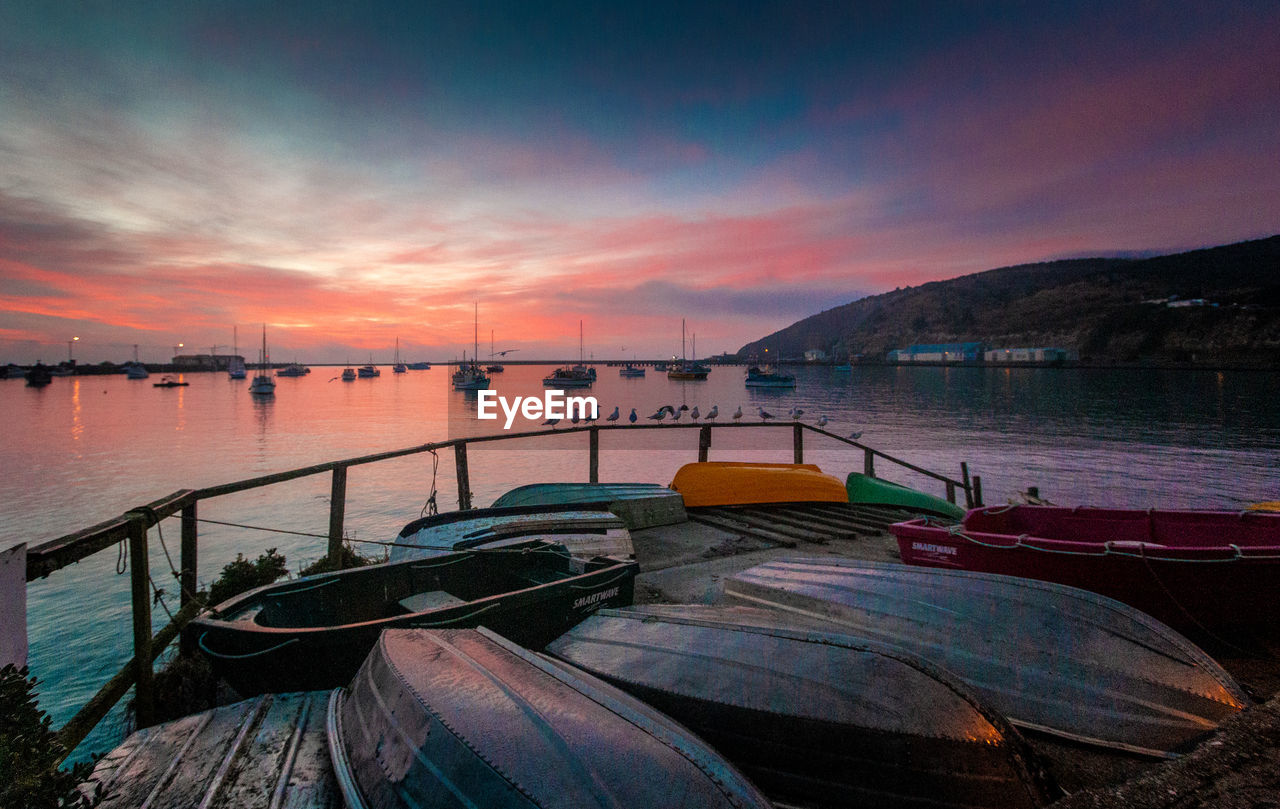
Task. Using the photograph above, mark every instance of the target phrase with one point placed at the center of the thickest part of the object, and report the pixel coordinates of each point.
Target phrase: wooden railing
(132, 527)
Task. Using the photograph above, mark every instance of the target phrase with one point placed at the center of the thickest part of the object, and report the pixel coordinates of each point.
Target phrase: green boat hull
(878, 492)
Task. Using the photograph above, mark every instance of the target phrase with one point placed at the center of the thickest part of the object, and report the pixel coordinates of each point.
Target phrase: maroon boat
(1194, 570)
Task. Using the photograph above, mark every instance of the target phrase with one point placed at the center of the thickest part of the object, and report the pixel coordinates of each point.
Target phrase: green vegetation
(1107, 309)
(347, 557)
(242, 575)
(30, 752)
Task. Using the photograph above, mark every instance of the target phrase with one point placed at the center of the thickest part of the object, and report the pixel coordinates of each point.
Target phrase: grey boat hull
(453, 718)
(584, 531)
(814, 718)
(1051, 658)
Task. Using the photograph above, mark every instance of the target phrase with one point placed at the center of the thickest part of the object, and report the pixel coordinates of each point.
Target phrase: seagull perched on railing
(552, 422)
(795, 413)
(632, 418)
(614, 415)
(675, 416)
(764, 414)
(737, 414)
(712, 413)
(822, 421)
(574, 418)
(855, 436)
(693, 414)
(660, 415)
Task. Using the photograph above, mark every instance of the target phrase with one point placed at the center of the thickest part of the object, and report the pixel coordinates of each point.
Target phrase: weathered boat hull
(465, 718)
(868, 490)
(265, 753)
(638, 505)
(314, 632)
(1050, 658)
(584, 532)
(724, 483)
(1194, 570)
(814, 718)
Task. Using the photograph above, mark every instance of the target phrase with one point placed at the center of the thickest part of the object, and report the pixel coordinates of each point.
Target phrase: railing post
(187, 562)
(868, 463)
(593, 461)
(139, 579)
(968, 484)
(951, 492)
(797, 443)
(977, 491)
(464, 477)
(704, 442)
(337, 512)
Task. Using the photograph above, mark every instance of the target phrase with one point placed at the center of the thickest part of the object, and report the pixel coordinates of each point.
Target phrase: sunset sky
(353, 174)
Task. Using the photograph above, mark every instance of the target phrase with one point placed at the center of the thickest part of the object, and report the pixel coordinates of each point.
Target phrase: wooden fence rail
(132, 528)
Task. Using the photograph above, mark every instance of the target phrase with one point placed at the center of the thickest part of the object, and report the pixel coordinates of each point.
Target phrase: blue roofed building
(937, 353)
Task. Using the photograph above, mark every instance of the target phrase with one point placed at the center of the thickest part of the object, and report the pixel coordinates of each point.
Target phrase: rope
(430, 508)
(264, 528)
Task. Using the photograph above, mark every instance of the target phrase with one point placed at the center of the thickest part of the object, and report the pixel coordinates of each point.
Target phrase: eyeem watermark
(553, 405)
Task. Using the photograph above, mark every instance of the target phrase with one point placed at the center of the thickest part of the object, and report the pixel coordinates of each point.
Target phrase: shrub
(30, 752)
(242, 575)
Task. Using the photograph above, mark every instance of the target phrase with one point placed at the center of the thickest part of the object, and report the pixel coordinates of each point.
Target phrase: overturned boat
(315, 631)
(733, 483)
(452, 718)
(639, 505)
(271, 751)
(1050, 658)
(812, 717)
(584, 531)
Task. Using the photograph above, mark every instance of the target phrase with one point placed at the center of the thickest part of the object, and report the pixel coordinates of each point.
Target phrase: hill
(1100, 307)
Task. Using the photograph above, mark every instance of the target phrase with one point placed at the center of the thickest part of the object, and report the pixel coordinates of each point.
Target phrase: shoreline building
(944, 353)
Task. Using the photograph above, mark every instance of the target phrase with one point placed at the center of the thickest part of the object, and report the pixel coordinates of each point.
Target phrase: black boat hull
(314, 632)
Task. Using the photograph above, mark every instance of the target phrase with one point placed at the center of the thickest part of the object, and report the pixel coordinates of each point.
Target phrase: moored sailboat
(263, 384)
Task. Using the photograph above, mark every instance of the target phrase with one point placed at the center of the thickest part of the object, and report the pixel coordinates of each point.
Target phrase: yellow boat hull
(722, 483)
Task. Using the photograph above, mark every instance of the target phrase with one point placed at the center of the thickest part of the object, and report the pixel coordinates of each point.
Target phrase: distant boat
(419, 366)
(843, 369)
(768, 378)
(348, 374)
(135, 369)
(471, 377)
(12, 371)
(687, 369)
(577, 376)
(235, 366)
(169, 382)
(497, 367)
(263, 384)
(293, 369)
(38, 376)
(398, 367)
(368, 371)
(630, 371)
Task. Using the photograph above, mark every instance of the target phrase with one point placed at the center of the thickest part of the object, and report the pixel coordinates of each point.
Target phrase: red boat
(1193, 570)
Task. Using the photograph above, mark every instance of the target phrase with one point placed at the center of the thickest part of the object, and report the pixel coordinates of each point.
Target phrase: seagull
(712, 413)
(684, 407)
(795, 413)
(614, 415)
(552, 422)
(693, 414)
(632, 417)
(764, 415)
(574, 418)
(676, 416)
(659, 416)
(822, 421)
(737, 414)
(855, 436)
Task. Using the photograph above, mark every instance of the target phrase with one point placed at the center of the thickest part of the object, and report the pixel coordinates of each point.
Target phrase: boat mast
(580, 342)
(682, 354)
(475, 354)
